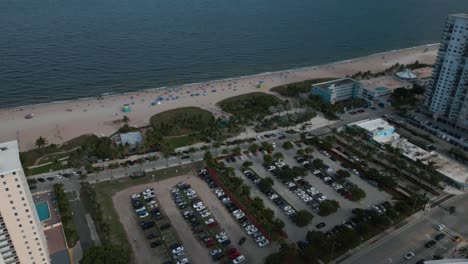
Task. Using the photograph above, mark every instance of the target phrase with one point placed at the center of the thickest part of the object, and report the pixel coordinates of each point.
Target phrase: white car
(209, 221)
(205, 213)
(201, 207)
(263, 243)
(409, 256)
(177, 250)
(260, 238)
(273, 196)
(271, 168)
(183, 261)
(440, 227)
(215, 251)
(252, 231)
(59, 176)
(239, 259)
(322, 198)
(273, 144)
(135, 195)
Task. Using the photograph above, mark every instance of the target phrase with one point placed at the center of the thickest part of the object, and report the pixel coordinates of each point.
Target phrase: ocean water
(63, 49)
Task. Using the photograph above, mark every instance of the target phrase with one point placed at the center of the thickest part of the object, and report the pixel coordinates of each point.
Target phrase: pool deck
(53, 229)
(53, 210)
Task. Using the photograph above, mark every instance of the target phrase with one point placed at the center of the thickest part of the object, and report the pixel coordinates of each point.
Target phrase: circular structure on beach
(406, 75)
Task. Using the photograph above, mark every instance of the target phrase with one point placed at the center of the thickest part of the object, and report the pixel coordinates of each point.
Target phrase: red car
(233, 253)
(209, 243)
(213, 224)
(198, 230)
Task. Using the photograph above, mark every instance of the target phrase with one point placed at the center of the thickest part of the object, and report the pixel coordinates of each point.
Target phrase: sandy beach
(61, 121)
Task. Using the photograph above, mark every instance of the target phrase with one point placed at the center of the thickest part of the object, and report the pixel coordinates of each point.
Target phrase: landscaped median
(66, 215)
(254, 209)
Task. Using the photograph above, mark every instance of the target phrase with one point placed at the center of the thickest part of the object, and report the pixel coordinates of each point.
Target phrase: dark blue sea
(54, 50)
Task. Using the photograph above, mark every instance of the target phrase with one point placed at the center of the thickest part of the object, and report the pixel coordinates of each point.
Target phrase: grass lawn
(250, 105)
(105, 191)
(294, 89)
(39, 170)
(181, 141)
(28, 158)
(181, 121)
(53, 157)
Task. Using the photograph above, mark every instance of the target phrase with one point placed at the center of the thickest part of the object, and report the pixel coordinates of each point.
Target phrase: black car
(439, 236)
(430, 243)
(242, 241)
(282, 137)
(50, 178)
(156, 243)
(185, 157)
(165, 226)
(152, 235)
(174, 246)
(40, 180)
(320, 225)
(421, 261)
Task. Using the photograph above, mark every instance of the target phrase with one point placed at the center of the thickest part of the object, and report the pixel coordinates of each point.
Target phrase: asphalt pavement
(413, 236)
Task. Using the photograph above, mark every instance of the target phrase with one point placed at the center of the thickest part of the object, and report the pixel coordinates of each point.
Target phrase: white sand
(58, 124)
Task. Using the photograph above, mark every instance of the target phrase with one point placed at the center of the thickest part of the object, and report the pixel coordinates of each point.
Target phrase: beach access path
(62, 121)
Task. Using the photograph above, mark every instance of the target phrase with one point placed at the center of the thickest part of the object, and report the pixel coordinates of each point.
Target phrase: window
(6, 189)
(18, 186)
(11, 202)
(16, 179)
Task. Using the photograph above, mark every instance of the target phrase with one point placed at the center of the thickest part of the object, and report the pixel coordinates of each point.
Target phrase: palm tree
(463, 251)
(166, 151)
(41, 142)
(57, 164)
(125, 119)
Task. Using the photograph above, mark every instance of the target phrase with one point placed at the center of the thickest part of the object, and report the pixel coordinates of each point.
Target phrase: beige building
(21, 237)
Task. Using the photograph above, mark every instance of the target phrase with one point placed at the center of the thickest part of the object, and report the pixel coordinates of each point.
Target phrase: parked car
(242, 241)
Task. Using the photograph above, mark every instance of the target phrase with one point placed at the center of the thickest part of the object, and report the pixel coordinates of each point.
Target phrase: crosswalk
(447, 230)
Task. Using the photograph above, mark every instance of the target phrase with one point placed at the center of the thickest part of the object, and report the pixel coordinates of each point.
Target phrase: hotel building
(446, 97)
(337, 90)
(21, 237)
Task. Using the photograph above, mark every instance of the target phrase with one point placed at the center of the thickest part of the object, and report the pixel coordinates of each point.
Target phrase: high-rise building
(22, 239)
(446, 97)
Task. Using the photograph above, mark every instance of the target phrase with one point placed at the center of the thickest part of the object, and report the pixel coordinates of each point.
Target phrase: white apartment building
(446, 97)
(22, 239)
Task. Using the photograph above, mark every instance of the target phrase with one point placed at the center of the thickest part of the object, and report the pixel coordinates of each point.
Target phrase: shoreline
(61, 121)
(110, 95)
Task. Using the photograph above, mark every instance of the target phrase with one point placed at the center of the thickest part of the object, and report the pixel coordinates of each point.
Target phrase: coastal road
(413, 236)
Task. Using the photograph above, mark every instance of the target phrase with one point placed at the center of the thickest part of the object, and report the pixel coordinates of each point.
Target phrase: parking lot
(196, 251)
(373, 194)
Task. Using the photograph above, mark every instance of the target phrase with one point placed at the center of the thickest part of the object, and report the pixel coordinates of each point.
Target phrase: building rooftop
(444, 165)
(9, 157)
(339, 82)
(406, 74)
(373, 125)
(387, 82)
(377, 125)
(131, 138)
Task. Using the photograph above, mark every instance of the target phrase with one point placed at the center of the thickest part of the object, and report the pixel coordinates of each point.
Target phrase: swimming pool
(43, 211)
